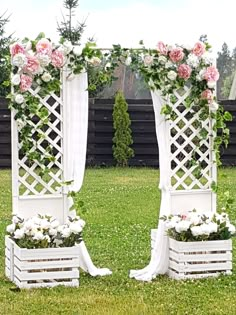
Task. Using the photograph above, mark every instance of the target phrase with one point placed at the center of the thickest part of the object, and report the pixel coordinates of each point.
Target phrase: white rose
(195, 219)
(171, 75)
(19, 60)
(207, 58)
(15, 80)
(66, 232)
(55, 224)
(19, 233)
(211, 84)
(75, 227)
(46, 77)
(38, 236)
(67, 47)
(212, 227)
(213, 106)
(182, 226)
(44, 60)
(148, 60)
(193, 60)
(29, 225)
(11, 228)
(95, 61)
(52, 232)
(168, 65)
(45, 224)
(162, 60)
(231, 228)
(77, 50)
(205, 229)
(196, 230)
(19, 98)
(128, 61)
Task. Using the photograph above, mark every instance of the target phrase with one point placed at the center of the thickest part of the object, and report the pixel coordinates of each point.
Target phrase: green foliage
(4, 55)
(123, 135)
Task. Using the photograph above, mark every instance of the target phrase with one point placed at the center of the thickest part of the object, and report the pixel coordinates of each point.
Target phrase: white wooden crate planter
(44, 267)
(189, 260)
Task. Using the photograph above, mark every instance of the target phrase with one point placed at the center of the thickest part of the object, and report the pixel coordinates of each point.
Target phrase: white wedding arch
(185, 133)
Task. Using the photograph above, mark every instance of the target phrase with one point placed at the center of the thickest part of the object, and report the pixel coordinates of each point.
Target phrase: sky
(126, 22)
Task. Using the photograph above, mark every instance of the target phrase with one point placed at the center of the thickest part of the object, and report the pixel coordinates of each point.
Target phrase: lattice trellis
(191, 157)
(29, 181)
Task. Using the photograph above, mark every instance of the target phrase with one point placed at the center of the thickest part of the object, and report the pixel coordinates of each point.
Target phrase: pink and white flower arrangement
(199, 226)
(44, 231)
(184, 71)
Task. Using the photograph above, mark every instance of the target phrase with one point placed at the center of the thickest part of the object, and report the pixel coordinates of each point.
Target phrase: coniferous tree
(66, 28)
(224, 65)
(4, 55)
(122, 139)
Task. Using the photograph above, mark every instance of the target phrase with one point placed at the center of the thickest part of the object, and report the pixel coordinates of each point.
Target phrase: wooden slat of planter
(34, 276)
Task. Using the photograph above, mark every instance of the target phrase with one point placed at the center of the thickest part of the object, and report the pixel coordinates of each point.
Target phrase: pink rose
(44, 46)
(162, 48)
(211, 74)
(207, 95)
(25, 82)
(176, 54)
(199, 49)
(184, 71)
(16, 48)
(32, 65)
(57, 59)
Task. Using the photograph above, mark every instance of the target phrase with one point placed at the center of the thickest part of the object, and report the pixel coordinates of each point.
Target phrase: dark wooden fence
(100, 133)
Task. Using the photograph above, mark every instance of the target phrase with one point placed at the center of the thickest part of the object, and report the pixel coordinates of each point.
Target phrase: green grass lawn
(123, 206)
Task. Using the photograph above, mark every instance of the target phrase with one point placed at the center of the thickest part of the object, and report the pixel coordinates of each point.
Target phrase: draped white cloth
(75, 120)
(160, 253)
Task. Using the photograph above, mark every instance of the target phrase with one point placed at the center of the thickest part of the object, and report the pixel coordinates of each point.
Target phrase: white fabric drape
(160, 253)
(75, 129)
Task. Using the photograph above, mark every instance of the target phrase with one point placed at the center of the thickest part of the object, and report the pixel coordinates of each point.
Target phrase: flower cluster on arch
(168, 68)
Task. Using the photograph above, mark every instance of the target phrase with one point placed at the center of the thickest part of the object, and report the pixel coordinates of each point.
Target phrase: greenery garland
(169, 68)
(38, 63)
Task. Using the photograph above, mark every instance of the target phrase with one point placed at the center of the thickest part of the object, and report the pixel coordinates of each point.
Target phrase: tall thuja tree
(122, 139)
(4, 55)
(224, 65)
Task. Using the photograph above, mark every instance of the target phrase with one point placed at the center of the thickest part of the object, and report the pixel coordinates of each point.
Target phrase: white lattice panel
(188, 149)
(29, 181)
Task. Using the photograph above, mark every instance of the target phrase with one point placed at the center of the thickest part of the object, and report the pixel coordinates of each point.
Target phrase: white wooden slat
(25, 285)
(45, 253)
(227, 256)
(42, 264)
(202, 267)
(221, 245)
(31, 276)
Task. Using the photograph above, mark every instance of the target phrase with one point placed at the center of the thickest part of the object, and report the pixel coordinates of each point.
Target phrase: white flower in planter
(196, 230)
(231, 228)
(75, 227)
(39, 236)
(52, 232)
(55, 223)
(19, 233)
(182, 226)
(66, 232)
(11, 228)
